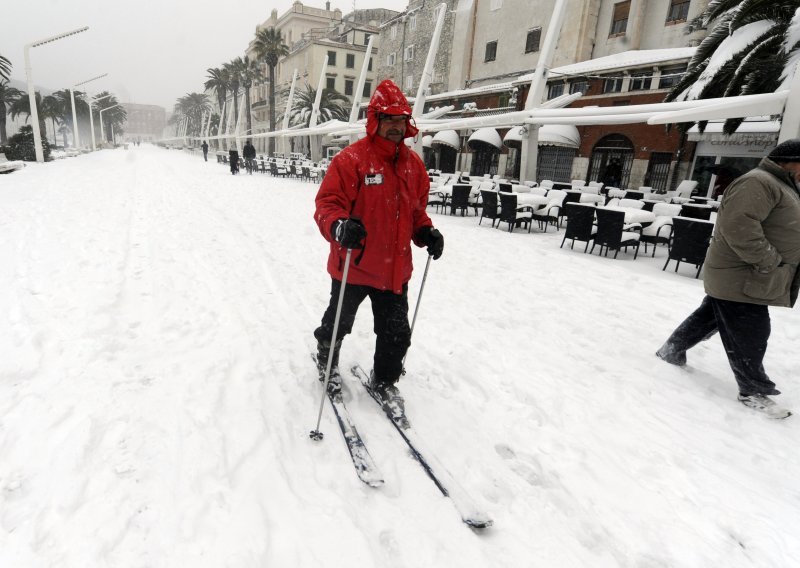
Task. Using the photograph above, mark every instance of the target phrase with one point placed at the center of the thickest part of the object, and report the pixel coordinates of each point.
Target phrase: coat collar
(772, 168)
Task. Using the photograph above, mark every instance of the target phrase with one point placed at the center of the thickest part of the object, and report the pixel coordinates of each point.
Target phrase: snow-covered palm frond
(711, 42)
(717, 8)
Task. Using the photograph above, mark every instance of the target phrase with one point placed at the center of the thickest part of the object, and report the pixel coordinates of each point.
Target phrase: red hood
(388, 99)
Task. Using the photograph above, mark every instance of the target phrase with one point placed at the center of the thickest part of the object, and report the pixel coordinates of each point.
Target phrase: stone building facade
(145, 123)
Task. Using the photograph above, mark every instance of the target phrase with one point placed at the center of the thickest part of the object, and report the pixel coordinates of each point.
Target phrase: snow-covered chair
(538, 191)
(578, 183)
(630, 203)
(682, 193)
(7, 165)
(547, 184)
(551, 211)
(660, 230)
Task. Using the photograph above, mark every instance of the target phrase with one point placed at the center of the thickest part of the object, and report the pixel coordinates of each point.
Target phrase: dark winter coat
(386, 186)
(249, 151)
(205, 148)
(755, 251)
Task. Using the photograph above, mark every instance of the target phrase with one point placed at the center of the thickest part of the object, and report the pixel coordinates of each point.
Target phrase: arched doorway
(611, 161)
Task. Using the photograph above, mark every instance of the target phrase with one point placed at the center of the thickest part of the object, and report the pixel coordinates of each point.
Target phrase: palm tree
(51, 108)
(21, 106)
(332, 105)
(234, 69)
(268, 44)
(63, 107)
(251, 73)
(750, 49)
(114, 116)
(218, 82)
(193, 106)
(5, 68)
(8, 95)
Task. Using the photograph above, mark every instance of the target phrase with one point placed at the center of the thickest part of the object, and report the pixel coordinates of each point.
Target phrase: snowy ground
(156, 393)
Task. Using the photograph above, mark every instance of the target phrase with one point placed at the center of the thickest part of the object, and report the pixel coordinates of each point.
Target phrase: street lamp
(77, 136)
(91, 118)
(101, 119)
(37, 136)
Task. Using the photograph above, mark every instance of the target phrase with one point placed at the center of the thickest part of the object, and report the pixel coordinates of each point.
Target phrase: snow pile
(156, 392)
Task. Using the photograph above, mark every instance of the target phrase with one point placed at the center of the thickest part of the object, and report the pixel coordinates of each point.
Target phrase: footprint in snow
(524, 465)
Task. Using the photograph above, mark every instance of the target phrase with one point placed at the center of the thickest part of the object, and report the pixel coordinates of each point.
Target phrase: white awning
(549, 135)
(751, 131)
(426, 141)
(559, 135)
(448, 138)
(486, 136)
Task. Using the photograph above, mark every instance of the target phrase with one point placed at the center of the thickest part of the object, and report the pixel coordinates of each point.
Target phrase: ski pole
(416, 309)
(315, 434)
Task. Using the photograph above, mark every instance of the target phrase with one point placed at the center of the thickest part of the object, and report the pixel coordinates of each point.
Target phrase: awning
(447, 138)
(426, 141)
(549, 135)
(559, 135)
(485, 136)
(749, 132)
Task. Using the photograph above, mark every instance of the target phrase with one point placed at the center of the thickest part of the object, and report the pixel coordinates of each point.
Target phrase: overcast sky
(154, 51)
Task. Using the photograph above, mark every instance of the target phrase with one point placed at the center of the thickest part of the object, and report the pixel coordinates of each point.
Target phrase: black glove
(349, 233)
(433, 239)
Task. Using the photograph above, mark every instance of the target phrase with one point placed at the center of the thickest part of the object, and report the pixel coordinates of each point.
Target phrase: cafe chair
(491, 208)
(512, 214)
(611, 234)
(660, 230)
(580, 224)
(459, 199)
(630, 203)
(549, 212)
(436, 199)
(695, 211)
(690, 240)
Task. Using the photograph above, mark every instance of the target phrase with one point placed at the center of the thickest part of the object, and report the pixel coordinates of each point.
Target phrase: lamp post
(37, 136)
(91, 119)
(101, 119)
(76, 135)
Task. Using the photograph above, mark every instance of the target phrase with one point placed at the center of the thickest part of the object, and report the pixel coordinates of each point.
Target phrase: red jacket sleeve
(336, 194)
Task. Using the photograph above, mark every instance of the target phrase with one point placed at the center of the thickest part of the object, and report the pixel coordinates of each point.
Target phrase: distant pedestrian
(752, 263)
(612, 176)
(233, 156)
(249, 155)
(205, 150)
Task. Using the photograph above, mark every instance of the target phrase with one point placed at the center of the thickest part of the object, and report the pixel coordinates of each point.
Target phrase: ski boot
(323, 350)
(391, 400)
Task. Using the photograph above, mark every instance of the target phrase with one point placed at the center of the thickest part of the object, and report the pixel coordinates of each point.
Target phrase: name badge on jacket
(373, 179)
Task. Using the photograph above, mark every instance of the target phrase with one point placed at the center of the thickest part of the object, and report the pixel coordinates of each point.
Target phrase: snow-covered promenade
(156, 393)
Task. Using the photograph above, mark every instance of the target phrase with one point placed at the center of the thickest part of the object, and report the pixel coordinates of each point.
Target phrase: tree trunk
(55, 141)
(3, 134)
(271, 107)
(247, 110)
(235, 109)
(221, 123)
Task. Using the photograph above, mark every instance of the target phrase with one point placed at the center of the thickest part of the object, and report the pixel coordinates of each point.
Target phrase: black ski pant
(744, 330)
(390, 313)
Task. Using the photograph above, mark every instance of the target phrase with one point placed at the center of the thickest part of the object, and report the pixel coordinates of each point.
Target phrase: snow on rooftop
(633, 58)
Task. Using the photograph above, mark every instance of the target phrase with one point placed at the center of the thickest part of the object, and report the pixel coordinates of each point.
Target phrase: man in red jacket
(373, 198)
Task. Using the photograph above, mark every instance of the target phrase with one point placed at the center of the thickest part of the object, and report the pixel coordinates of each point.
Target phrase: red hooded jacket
(386, 186)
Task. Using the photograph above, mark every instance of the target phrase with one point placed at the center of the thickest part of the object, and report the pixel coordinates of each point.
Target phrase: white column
(790, 124)
(316, 141)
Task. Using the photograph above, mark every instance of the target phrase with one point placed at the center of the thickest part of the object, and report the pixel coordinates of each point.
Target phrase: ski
(469, 511)
(365, 466)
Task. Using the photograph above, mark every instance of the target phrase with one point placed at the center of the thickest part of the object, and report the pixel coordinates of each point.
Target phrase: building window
(491, 51)
(409, 82)
(555, 90)
(533, 39)
(670, 76)
(619, 22)
(579, 86)
(366, 38)
(412, 22)
(330, 83)
(678, 11)
(640, 81)
(409, 53)
(612, 85)
(367, 90)
(350, 61)
(348, 87)
(332, 58)
(393, 32)
(390, 59)
(369, 66)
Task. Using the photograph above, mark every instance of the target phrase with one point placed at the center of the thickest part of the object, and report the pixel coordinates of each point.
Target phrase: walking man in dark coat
(205, 150)
(752, 263)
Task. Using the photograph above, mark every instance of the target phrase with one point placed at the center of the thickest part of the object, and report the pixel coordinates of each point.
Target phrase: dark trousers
(390, 313)
(205, 156)
(744, 330)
